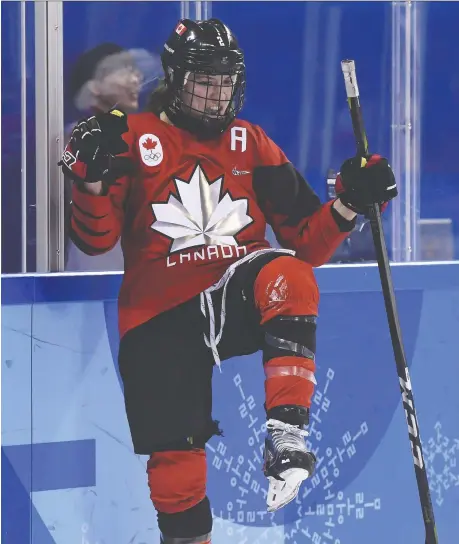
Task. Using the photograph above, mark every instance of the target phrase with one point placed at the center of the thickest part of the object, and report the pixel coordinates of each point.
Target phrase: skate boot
(287, 462)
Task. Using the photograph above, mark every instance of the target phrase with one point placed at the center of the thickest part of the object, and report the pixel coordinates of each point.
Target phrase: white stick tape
(350, 79)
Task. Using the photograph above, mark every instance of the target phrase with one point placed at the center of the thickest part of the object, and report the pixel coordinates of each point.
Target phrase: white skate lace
(285, 436)
(207, 307)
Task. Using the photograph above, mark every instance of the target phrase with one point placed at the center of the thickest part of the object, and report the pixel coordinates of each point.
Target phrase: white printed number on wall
(151, 149)
(317, 523)
(441, 454)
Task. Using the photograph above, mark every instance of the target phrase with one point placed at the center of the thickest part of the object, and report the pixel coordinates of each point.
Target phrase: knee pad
(286, 286)
(194, 525)
(177, 479)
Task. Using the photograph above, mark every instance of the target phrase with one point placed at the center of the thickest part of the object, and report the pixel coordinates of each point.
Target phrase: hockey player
(190, 188)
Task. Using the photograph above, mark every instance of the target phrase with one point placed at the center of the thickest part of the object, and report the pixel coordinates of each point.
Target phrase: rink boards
(69, 475)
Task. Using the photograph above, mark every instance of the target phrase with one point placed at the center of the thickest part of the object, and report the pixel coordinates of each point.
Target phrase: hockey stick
(352, 91)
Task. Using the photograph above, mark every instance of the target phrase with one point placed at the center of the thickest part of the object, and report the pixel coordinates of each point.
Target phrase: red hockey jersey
(195, 207)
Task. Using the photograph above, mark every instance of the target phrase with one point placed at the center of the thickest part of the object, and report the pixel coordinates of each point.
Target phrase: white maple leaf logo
(200, 217)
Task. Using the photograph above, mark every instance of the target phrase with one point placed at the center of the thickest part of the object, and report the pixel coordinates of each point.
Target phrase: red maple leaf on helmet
(149, 144)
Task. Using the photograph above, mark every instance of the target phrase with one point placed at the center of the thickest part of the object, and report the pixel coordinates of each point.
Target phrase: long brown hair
(159, 98)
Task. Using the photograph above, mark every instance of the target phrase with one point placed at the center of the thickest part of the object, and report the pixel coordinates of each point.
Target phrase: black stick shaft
(352, 91)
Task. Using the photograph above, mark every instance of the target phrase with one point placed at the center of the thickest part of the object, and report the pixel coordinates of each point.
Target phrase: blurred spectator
(104, 77)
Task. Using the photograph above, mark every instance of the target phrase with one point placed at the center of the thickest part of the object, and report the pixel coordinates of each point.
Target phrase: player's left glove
(363, 182)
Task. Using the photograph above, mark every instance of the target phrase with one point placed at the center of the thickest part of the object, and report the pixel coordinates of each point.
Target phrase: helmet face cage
(208, 102)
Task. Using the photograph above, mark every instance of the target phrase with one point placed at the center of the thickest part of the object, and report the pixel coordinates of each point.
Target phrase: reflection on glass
(439, 120)
(105, 76)
(294, 91)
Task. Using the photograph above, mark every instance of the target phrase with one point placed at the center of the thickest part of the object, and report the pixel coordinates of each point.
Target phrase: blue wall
(65, 438)
(295, 88)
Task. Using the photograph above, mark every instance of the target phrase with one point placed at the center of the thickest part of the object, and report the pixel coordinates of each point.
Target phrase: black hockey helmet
(205, 77)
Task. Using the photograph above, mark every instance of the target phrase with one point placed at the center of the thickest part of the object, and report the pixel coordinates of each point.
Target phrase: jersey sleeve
(96, 222)
(292, 208)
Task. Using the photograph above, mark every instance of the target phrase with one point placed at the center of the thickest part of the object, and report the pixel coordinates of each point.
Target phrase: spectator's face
(119, 88)
(206, 94)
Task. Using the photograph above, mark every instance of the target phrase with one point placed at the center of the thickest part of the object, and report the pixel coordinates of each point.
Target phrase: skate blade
(280, 492)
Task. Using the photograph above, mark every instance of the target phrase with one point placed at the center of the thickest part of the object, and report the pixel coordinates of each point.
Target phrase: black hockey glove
(364, 182)
(91, 153)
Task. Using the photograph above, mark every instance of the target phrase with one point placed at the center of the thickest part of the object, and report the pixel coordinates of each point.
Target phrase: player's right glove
(91, 155)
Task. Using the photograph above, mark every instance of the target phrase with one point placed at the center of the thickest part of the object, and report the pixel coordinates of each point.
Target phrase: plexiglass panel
(111, 57)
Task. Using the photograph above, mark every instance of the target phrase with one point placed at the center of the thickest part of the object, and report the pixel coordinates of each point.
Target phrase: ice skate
(287, 462)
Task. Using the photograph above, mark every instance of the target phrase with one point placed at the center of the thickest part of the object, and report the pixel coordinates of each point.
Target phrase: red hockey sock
(289, 380)
(287, 297)
(177, 479)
